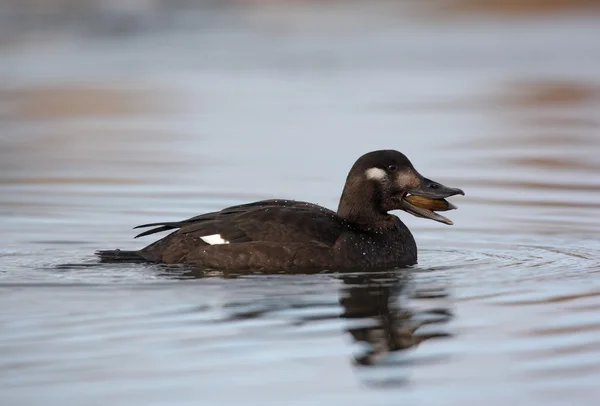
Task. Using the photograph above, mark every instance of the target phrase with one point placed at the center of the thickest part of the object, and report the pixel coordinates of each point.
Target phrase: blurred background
(115, 113)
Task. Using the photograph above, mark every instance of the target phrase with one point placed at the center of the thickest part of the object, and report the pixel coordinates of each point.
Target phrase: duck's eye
(392, 168)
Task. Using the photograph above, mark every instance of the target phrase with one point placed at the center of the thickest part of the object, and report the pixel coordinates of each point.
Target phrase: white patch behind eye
(375, 173)
(214, 239)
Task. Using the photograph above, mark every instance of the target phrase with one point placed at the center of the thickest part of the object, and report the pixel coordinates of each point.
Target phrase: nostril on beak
(434, 186)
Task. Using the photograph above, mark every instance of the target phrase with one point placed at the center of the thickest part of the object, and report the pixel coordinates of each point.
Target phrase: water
(102, 133)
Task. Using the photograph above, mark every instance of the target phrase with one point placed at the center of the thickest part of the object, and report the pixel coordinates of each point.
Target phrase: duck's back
(281, 235)
(265, 232)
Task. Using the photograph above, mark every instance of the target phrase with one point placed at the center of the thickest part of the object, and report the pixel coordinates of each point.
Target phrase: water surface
(102, 133)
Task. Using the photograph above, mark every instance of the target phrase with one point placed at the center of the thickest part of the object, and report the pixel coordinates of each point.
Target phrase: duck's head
(385, 180)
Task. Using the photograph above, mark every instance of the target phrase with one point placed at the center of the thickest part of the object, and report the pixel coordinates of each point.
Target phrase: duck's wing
(280, 221)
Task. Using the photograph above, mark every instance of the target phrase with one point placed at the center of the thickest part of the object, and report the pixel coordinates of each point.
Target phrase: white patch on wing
(375, 173)
(214, 239)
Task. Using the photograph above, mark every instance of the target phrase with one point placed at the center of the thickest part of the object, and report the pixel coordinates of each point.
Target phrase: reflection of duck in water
(388, 326)
(289, 235)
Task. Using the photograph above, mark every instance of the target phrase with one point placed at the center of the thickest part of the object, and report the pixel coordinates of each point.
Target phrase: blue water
(100, 132)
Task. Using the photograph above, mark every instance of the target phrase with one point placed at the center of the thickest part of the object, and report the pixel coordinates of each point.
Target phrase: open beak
(427, 198)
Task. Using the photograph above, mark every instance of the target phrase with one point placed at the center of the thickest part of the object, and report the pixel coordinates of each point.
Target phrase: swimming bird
(288, 235)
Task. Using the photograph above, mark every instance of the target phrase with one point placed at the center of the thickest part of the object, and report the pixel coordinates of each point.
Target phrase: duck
(291, 236)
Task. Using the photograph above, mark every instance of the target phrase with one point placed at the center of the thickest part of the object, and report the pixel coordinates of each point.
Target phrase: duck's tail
(120, 256)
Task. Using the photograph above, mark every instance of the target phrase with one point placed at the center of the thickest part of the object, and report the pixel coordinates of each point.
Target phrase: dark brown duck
(288, 235)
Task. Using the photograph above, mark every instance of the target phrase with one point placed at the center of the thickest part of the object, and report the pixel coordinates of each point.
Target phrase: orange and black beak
(428, 198)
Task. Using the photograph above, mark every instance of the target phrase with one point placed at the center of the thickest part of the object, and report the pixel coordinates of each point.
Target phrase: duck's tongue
(425, 207)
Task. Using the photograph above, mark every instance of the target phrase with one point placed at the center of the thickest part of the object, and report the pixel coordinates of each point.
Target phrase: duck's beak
(427, 198)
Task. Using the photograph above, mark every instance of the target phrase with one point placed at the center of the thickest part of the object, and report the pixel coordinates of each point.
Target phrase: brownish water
(99, 134)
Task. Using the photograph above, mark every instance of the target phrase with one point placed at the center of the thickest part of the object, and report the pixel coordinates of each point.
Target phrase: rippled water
(100, 135)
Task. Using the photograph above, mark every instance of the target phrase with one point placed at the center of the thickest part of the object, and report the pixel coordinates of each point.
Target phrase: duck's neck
(359, 205)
